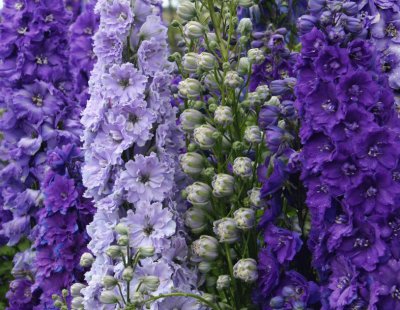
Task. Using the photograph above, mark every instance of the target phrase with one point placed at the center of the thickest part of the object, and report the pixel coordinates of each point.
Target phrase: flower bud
(246, 270)
(277, 302)
(64, 293)
(226, 230)
(127, 274)
(350, 8)
(207, 61)
(77, 302)
(190, 119)
(243, 167)
(186, 10)
(263, 92)
(306, 23)
(59, 304)
(209, 297)
(149, 283)
(274, 100)
(208, 173)
(195, 219)
(326, 18)
(123, 240)
(146, 251)
(223, 116)
(194, 30)
(223, 281)
(256, 56)
(238, 146)
(245, 218)
(76, 289)
(109, 282)
(244, 65)
(190, 88)
(137, 298)
(87, 260)
(353, 24)
(114, 251)
(121, 229)
(190, 62)
(206, 247)
(233, 79)
(192, 163)
(108, 298)
(210, 82)
(253, 100)
(246, 3)
(223, 185)
(253, 135)
(203, 136)
(212, 107)
(255, 196)
(245, 26)
(288, 291)
(205, 267)
(280, 87)
(199, 194)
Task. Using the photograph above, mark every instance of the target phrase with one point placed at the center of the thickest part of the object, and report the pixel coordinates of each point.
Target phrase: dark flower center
(391, 31)
(268, 67)
(144, 178)
(88, 30)
(349, 169)
(332, 65)
(396, 176)
(355, 91)
(341, 219)
(371, 192)
(22, 30)
(41, 60)
(329, 106)
(63, 195)
(37, 100)
(49, 18)
(148, 230)
(325, 148)
(374, 151)
(124, 83)
(395, 293)
(322, 188)
(361, 243)
(133, 118)
(18, 6)
(343, 282)
(352, 126)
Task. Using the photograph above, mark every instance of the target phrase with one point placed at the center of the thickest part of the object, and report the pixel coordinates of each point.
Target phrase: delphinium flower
(350, 156)
(131, 141)
(39, 114)
(225, 113)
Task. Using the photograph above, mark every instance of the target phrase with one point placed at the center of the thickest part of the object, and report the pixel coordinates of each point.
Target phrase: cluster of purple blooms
(350, 156)
(130, 170)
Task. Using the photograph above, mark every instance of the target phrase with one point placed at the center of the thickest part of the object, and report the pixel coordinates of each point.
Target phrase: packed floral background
(200, 154)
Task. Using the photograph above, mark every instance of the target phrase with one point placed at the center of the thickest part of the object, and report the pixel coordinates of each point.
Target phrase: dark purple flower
(61, 194)
(332, 62)
(268, 273)
(387, 280)
(361, 53)
(312, 42)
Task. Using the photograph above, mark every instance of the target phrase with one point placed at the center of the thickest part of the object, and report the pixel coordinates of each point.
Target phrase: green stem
(204, 301)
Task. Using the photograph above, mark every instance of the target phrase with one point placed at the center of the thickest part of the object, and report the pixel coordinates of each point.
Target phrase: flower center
(49, 18)
(355, 91)
(37, 100)
(395, 293)
(148, 230)
(40, 60)
(325, 148)
(63, 196)
(343, 282)
(329, 106)
(391, 30)
(18, 6)
(22, 30)
(374, 151)
(349, 169)
(341, 219)
(88, 30)
(371, 192)
(144, 178)
(124, 83)
(361, 243)
(396, 176)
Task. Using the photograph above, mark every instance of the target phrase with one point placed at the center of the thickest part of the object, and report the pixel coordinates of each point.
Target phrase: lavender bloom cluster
(350, 157)
(138, 247)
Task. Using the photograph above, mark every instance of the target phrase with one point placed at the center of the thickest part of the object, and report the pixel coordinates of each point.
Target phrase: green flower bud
(252, 134)
(226, 66)
(137, 299)
(245, 218)
(233, 79)
(245, 26)
(190, 119)
(253, 99)
(76, 289)
(223, 281)
(199, 194)
(226, 230)
(108, 298)
(223, 185)
(190, 62)
(127, 274)
(212, 107)
(256, 56)
(55, 297)
(198, 105)
(149, 283)
(274, 100)
(190, 88)
(203, 136)
(213, 45)
(186, 10)
(246, 270)
(58, 304)
(77, 303)
(123, 240)
(216, 135)
(114, 251)
(175, 24)
(192, 163)
(64, 293)
(208, 173)
(246, 3)
(223, 116)
(207, 61)
(206, 247)
(263, 92)
(243, 167)
(209, 297)
(210, 82)
(255, 196)
(194, 30)
(244, 66)
(109, 282)
(244, 40)
(87, 260)
(238, 146)
(205, 267)
(146, 251)
(195, 219)
(192, 147)
(121, 229)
